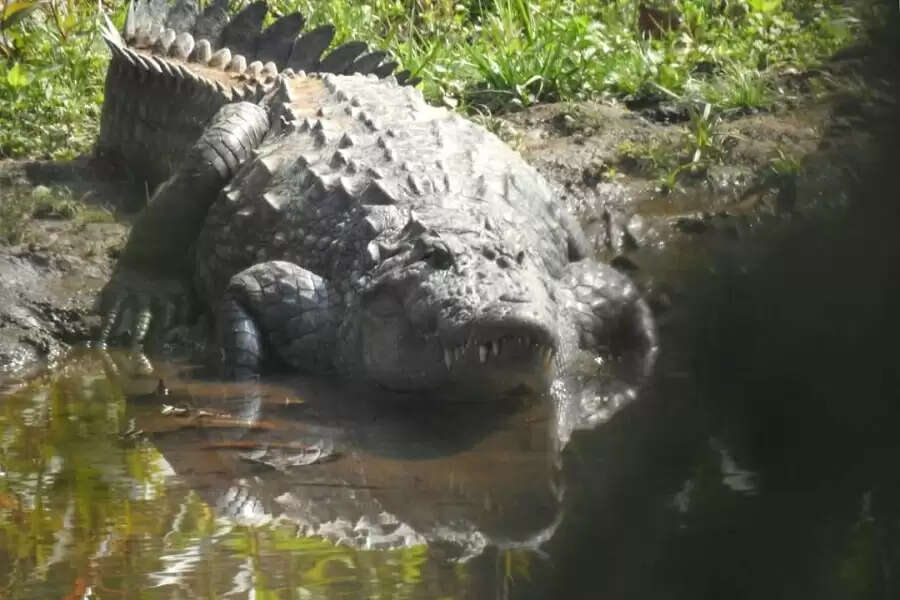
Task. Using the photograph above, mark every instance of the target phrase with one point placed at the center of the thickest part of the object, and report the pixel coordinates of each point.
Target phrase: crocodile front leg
(280, 307)
(608, 313)
(150, 279)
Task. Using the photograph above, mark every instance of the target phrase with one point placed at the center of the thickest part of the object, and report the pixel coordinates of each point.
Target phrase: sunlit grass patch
(473, 55)
(505, 54)
(52, 66)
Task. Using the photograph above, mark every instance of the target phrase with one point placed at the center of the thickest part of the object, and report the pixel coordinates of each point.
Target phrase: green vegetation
(51, 78)
(21, 204)
(699, 144)
(475, 55)
(15, 210)
(507, 53)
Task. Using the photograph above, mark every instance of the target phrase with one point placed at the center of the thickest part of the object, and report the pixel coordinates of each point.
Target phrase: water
(760, 461)
(107, 489)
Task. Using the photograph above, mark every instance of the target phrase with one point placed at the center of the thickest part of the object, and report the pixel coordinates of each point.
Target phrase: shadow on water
(762, 461)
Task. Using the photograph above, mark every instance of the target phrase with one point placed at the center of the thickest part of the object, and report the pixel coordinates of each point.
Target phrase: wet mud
(52, 265)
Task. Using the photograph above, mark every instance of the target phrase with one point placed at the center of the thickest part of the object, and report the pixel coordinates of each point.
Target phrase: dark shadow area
(762, 460)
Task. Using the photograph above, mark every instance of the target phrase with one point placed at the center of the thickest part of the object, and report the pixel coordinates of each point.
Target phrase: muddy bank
(662, 193)
(59, 241)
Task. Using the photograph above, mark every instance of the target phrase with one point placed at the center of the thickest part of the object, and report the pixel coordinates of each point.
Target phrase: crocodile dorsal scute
(173, 66)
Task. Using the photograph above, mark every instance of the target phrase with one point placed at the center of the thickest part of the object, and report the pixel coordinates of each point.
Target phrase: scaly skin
(375, 235)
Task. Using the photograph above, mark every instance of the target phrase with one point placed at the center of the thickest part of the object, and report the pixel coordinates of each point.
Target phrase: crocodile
(330, 220)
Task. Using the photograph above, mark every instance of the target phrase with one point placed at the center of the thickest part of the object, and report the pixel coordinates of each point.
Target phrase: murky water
(759, 462)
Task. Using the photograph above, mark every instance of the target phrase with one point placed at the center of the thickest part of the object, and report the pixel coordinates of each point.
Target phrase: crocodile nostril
(503, 262)
(520, 257)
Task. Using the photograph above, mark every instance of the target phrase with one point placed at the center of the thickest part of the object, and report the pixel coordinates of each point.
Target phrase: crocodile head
(458, 306)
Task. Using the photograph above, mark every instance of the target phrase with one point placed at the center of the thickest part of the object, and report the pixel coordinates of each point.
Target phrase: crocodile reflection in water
(465, 476)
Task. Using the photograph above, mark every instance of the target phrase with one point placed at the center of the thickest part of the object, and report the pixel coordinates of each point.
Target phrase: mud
(52, 273)
(651, 212)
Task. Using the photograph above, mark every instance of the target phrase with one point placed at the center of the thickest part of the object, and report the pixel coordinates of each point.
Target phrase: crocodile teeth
(548, 356)
(495, 347)
(448, 358)
(482, 353)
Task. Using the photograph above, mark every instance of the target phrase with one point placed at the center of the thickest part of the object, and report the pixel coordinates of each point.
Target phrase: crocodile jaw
(490, 354)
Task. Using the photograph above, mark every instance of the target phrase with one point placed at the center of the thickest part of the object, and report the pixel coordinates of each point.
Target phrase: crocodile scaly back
(173, 66)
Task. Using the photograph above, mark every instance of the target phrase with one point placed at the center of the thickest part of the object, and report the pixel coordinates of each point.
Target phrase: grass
(476, 56)
(15, 210)
(701, 143)
(20, 204)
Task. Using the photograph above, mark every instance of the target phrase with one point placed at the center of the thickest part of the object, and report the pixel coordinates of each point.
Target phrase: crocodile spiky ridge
(174, 66)
(337, 221)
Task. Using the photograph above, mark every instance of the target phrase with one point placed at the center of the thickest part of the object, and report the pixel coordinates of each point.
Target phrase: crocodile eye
(434, 251)
(439, 255)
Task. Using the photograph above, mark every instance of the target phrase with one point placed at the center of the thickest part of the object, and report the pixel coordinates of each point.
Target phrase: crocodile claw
(124, 365)
(132, 306)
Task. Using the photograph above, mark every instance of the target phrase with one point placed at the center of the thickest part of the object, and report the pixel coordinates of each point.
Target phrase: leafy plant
(764, 6)
(703, 136)
(51, 80)
(702, 143)
(14, 11)
(785, 165)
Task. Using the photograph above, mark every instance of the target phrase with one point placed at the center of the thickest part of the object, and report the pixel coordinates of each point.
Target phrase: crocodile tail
(149, 21)
(174, 65)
